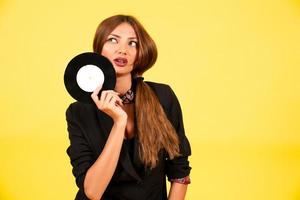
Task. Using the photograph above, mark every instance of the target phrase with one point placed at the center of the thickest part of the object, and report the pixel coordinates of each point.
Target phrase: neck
(123, 83)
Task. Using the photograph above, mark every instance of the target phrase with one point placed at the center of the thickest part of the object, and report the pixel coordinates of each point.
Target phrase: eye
(133, 43)
(113, 40)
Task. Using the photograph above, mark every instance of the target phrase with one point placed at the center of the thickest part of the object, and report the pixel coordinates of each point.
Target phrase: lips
(120, 62)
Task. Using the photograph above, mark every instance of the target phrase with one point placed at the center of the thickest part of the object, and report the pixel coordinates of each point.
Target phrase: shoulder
(164, 93)
(160, 88)
(78, 109)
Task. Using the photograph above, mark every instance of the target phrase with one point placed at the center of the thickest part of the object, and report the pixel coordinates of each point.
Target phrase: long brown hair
(154, 130)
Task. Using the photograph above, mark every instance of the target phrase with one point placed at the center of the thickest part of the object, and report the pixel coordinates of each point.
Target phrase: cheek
(134, 54)
(107, 51)
(104, 52)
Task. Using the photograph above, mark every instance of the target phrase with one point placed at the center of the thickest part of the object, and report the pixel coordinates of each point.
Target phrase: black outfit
(89, 128)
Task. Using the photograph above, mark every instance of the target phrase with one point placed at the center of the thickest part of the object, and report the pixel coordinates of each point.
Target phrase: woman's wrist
(121, 122)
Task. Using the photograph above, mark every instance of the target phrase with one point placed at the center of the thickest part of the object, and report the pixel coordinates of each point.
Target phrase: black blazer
(88, 129)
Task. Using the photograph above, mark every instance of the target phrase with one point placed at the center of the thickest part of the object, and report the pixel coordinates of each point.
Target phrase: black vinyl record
(85, 72)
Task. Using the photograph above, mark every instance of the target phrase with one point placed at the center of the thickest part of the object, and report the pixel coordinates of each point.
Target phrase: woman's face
(120, 48)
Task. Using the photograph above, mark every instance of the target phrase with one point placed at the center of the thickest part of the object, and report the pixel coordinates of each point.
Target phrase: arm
(92, 177)
(178, 169)
(177, 191)
(100, 173)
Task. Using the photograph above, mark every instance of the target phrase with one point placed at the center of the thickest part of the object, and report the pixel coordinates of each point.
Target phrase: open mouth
(121, 62)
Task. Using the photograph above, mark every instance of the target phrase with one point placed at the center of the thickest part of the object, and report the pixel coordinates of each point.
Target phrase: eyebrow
(120, 36)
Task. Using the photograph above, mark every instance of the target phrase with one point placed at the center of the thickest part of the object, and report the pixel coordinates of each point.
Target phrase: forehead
(124, 30)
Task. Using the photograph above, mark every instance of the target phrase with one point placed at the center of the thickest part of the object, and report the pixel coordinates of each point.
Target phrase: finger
(95, 97)
(95, 93)
(119, 101)
(98, 88)
(110, 105)
(117, 93)
(108, 98)
(102, 98)
(112, 101)
(103, 95)
(115, 100)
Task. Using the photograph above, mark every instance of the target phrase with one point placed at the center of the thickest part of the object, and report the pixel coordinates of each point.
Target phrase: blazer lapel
(127, 164)
(143, 170)
(106, 123)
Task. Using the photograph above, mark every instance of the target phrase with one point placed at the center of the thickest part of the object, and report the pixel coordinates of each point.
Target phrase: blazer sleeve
(79, 151)
(179, 166)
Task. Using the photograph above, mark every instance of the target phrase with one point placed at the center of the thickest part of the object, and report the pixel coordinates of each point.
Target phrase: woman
(125, 145)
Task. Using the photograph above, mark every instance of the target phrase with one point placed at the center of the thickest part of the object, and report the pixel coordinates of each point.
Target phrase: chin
(122, 73)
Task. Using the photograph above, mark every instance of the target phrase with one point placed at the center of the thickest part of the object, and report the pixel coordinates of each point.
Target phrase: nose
(122, 49)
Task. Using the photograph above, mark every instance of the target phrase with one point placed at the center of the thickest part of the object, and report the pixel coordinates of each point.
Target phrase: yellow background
(233, 64)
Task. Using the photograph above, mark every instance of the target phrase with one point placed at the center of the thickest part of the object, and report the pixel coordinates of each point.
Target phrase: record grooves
(85, 72)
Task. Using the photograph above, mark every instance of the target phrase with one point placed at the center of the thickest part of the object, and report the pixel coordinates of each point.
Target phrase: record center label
(89, 77)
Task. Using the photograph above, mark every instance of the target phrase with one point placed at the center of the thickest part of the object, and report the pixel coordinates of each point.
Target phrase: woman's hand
(110, 103)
